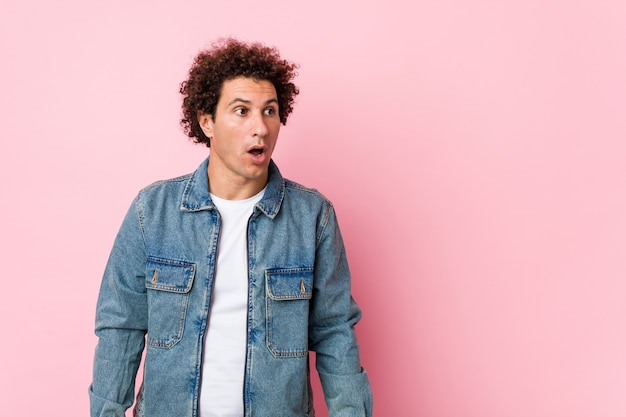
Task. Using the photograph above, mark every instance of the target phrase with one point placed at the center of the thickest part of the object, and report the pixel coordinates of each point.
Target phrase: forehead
(248, 89)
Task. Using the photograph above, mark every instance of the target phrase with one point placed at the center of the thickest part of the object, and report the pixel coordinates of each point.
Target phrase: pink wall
(473, 151)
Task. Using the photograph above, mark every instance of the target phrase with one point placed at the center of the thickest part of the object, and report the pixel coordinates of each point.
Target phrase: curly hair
(225, 60)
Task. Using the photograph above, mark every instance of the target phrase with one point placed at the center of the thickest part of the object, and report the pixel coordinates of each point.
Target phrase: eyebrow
(248, 102)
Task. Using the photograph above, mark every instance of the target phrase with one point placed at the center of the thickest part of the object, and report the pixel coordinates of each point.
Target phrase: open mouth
(256, 151)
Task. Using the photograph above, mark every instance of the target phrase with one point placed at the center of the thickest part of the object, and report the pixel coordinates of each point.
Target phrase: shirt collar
(196, 194)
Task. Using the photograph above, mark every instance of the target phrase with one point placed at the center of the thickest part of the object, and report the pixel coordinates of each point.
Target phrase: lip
(259, 157)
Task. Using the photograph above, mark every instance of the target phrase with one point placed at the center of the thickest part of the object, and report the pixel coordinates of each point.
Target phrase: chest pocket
(288, 291)
(169, 283)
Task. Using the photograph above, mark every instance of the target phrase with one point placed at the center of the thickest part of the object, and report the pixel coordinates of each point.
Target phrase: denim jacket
(156, 293)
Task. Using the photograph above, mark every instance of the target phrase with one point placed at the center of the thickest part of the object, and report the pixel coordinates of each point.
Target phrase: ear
(206, 124)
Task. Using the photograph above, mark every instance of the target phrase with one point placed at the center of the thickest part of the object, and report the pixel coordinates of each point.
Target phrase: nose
(259, 127)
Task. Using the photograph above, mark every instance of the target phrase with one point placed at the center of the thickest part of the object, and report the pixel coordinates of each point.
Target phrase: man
(232, 274)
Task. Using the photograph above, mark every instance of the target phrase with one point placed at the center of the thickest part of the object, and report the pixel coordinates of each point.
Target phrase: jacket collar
(196, 194)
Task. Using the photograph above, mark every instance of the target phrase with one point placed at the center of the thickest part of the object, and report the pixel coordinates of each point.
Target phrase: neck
(229, 188)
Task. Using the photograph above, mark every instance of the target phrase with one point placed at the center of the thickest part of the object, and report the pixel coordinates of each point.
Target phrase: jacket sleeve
(333, 316)
(121, 322)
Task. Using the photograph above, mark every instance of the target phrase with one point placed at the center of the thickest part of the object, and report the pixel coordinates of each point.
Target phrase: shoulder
(308, 204)
(168, 191)
(165, 185)
(299, 191)
(168, 183)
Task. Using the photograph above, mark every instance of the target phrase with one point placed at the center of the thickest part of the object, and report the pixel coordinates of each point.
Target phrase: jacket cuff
(347, 395)
(101, 407)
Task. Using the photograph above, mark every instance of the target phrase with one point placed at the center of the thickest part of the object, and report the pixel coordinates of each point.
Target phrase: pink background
(473, 151)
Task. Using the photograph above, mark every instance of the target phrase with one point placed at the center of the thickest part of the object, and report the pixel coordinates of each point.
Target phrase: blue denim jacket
(157, 288)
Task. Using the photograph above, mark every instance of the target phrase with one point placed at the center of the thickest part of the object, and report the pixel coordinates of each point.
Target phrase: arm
(121, 322)
(331, 328)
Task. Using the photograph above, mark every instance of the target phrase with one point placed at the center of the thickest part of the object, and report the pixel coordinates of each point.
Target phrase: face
(243, 135)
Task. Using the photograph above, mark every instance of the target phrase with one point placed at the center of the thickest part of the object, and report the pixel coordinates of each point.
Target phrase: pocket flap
(289, 283)
(169, 275)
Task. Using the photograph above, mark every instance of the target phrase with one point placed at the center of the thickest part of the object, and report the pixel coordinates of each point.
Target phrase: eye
(270, 111)
(241, 111)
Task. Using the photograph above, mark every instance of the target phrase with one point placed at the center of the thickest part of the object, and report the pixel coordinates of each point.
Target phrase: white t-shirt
(224, 354)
